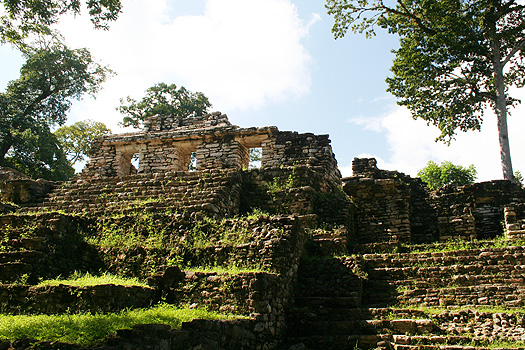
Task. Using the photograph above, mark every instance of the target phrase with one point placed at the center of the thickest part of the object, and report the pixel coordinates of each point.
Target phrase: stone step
(25, 257)
(446, 276)
(11, 271)
(445, 281)
(477, 295)
(509, 255)
(78, 194)
(338, 342)
(494, 257)
(331, 302)
(319, 326)
(338, 313)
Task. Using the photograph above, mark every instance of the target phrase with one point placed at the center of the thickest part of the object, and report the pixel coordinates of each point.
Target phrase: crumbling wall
(17, 188)
(393, 207)
(515, 220)
(168, 143)
(382, 204)
(475, 211)
(292, 148)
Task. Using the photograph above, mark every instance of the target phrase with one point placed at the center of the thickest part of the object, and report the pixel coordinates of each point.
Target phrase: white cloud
(411, 143)
(240, 53)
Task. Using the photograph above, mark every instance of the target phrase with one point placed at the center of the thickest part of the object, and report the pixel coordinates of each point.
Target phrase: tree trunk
(501, 113)
(4, 147)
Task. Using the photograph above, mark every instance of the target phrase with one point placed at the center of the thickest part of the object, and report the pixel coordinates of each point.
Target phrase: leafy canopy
(446, 173)
(21, 18)
(456, 57)
(443, 70)
(163, 100)
(76, 139)
(52, 76)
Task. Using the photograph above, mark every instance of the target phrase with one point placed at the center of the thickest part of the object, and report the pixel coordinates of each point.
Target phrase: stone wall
(393, 207)
(25, 299)
(43, 246)
(167, 144)
(19, 189)
(515, 220)
(165, 123)
(300, 189)
(292, 149)
(382, 209)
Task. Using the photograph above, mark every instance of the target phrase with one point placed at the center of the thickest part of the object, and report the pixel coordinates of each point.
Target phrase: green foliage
(256, 213)
(77, 279)
(458, 244)
(455, 59)
(88, 329)
(518, 177)
(51, 78)
(128, 232)
(76, 139)
(8, 233)
(137, 244)
(163, 100)
(20, 18)
(231, 269)
(279, 184)
(437, 176)
(255, 156)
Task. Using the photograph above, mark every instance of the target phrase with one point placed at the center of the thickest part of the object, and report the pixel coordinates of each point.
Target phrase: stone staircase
(464, 277)
(379, 300)
(215, 192)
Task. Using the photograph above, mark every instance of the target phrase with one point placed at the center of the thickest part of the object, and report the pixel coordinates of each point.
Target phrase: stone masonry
(214, 143)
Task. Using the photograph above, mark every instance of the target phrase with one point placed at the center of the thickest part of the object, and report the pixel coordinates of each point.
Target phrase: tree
(437, 176)
(52, 76)
(76, 139)
(24, 17)
(456, 57)
(163, 100)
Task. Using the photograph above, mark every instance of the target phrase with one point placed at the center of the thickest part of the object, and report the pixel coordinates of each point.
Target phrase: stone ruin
(167, 145)
(341, 262)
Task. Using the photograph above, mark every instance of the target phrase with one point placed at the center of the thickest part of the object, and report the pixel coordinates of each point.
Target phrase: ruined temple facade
(208, 142)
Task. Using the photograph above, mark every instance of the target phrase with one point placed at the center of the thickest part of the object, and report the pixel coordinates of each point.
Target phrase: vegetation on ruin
(231, 269)
(88, 329)
(78, 279)
(458, 244)
(279, 184)
(178, 239)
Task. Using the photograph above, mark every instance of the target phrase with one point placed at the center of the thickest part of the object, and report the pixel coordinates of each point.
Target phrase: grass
(457, 244)
(437, 310)
(89, 329)
(87, 279)
(232, 270)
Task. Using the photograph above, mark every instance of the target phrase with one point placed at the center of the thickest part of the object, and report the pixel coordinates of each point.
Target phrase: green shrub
(446, 173)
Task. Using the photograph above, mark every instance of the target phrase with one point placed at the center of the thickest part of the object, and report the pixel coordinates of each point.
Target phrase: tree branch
(518, 47)
(415, 19)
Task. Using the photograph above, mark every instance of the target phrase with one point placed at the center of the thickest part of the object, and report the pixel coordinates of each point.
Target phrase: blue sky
(272, 62)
